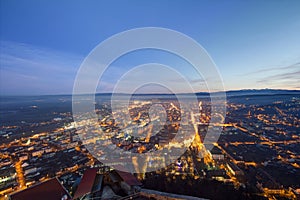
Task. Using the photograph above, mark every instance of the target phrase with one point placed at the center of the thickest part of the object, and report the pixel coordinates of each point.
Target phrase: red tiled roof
(128, 178)
(86, 184)
(48, 190)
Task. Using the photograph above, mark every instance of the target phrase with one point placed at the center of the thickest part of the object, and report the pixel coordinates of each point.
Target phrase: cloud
(27, 69)
(285, 77)
(271, 69)
(197, 81)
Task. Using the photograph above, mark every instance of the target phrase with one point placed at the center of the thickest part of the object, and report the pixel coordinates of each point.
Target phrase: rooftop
(48, 190)
(86, 184)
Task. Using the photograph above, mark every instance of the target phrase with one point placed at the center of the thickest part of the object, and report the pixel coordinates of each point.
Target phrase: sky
(254, 44)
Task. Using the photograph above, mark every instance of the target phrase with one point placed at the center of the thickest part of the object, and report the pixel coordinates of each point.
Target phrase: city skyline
(253, 44)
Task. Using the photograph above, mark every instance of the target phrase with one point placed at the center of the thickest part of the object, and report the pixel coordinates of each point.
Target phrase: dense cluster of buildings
(258, 149)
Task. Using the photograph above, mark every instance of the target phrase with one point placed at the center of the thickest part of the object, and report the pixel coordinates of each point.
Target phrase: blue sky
(255, 44)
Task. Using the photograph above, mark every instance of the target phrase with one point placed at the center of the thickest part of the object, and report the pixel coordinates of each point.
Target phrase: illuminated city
(259, 145)
(149, 100)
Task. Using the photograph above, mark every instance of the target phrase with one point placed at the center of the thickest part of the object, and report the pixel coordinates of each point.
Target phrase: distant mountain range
(261, 92)
(229, 93)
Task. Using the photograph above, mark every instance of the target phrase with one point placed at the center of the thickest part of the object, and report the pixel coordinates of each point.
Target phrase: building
(122, 182)
(128, 182)
(90, 184)
(48, 190)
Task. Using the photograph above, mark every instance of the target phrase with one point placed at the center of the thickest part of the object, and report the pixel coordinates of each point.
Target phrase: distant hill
(228, 93)
(245, 92)
(261, 92)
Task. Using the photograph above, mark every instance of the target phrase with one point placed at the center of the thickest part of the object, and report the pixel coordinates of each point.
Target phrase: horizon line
(109, 93)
